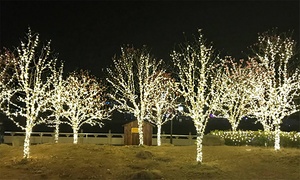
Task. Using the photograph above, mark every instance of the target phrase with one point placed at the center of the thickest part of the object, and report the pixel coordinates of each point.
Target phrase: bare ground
(89, 161)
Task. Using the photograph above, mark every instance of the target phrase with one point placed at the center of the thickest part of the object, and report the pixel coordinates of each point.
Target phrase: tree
(161, 100)
(194, 62)
(33, 76)
(233, 87)
(279, 85)
(57, 102)
(84, 102)
(7, 62)
(129, 79)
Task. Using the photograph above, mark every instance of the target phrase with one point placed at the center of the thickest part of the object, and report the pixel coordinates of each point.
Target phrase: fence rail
(17, 138)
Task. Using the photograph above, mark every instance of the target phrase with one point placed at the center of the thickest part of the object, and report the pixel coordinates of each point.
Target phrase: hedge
(258, 138)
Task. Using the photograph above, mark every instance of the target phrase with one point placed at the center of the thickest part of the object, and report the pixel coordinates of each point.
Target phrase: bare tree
(84, 102)
(161, 100)
(279, 85)
(33, 75)
(129, 79)
(233, 89)
(195, 63)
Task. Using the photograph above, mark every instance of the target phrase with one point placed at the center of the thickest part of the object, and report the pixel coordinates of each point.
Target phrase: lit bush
(258, 138)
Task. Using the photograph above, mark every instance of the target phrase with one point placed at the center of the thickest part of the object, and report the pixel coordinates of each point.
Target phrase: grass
(90, 161)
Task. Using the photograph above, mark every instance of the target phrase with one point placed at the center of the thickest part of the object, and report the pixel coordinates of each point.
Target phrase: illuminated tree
(7, 61)
(130, 80)
(279, 85)
(84, 102)
(56, 103)
(233, 87)
(195, 63)
(33, 76)
(161, 100)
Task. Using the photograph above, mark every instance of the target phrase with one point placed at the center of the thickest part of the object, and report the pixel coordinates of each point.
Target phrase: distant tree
(161, 100)
(33, 79)
(233, 87)
(195, 61)
(84, 102)
(279, 85)
(129, 79)
(7, 62)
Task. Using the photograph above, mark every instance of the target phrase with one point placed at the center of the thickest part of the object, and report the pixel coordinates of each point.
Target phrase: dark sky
(87, 34)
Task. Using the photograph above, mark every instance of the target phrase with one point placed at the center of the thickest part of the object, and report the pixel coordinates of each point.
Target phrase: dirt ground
(89, 161)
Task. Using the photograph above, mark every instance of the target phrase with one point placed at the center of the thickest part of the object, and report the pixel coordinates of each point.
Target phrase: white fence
(17, 138)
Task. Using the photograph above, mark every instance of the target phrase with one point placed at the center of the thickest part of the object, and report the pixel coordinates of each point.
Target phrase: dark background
(87, 34)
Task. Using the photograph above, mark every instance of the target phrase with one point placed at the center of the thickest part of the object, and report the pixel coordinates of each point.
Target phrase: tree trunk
(75, 134)
(27, 142)
(234, 127)
(277, 137)
(56, 133)
(141, 135)
(158, 135)
(199, 147)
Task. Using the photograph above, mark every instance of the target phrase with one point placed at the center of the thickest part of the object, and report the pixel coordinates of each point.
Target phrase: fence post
(163, 137)
(41, 138)
(190, 138)
(109, 137)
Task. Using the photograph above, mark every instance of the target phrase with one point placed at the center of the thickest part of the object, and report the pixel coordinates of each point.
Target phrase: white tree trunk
(158, 135)
(75, 134)
(277, 137)
(56, 133)
(26, 150)
(199, 147)
(141, 135)
(233, 124)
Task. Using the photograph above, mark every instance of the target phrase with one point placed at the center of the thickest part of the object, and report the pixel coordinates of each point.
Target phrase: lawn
(90, 161)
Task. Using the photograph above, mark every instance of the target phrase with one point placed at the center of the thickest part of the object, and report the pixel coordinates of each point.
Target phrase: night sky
(87, 34)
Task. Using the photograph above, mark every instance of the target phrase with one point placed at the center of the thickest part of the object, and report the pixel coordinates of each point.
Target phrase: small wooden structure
(131, 134)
